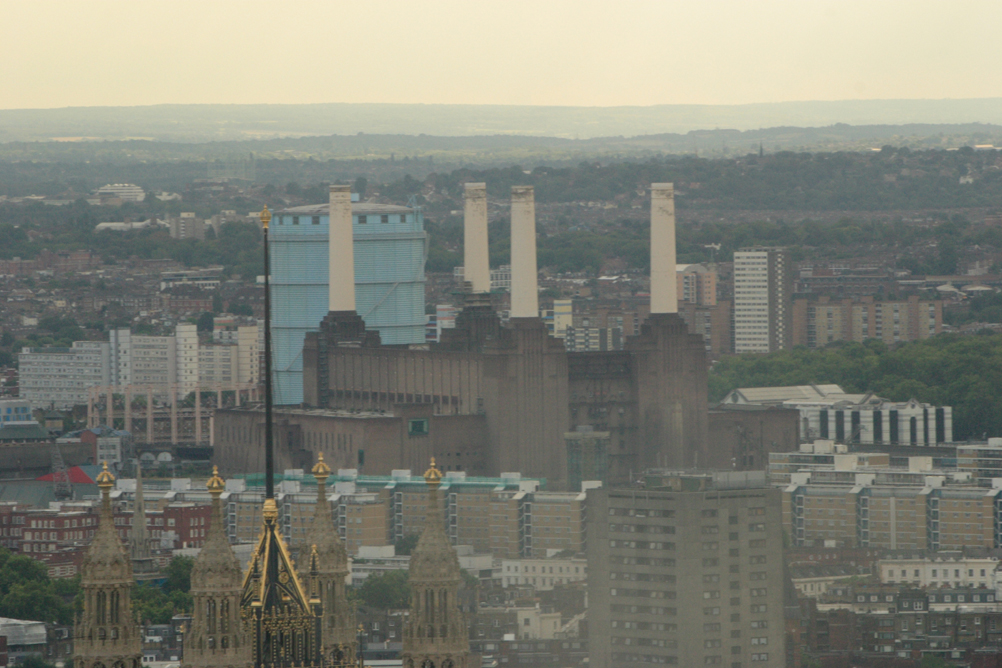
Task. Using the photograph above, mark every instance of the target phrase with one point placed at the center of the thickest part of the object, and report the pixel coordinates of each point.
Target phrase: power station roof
(778, 395)
(356, 207)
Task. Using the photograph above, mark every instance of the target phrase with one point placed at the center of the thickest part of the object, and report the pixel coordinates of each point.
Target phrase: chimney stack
(476, 259)
(341, 253)
(664, 293)
(524, 291)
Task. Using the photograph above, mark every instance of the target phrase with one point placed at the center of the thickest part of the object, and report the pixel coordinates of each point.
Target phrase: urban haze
(500, 335)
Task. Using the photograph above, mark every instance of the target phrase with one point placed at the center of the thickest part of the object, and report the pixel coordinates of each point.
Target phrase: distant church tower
(337, 623)
(105, 634)
(216, 637)
(436, 633)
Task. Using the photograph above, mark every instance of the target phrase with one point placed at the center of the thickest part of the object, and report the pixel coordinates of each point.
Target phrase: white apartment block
(60, 377)
(142, 360)
(762, 306)
(543, 574)
(940, 571)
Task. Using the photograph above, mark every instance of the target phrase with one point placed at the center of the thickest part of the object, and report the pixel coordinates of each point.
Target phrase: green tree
(150, 605)
(217, 304)
(386, 591)
(27, 592)
(21, 569)
(36, 601)
(205, 322)
(933, 661)
(406, 544)
(237, 308)
(178, 574)
(361, 185)
(34, 661)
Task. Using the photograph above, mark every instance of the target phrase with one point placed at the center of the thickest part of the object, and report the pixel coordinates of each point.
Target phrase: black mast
(269, 449)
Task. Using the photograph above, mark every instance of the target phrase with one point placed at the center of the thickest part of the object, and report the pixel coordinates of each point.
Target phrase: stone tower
(106, 635)
(436, 633)
(337, 625)
(139, 537)
(216, 636)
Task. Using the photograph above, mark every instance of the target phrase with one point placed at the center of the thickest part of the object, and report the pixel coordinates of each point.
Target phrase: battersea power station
(490, 397)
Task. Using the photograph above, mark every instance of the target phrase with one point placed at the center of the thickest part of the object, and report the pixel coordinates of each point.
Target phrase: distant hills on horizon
(236, 123)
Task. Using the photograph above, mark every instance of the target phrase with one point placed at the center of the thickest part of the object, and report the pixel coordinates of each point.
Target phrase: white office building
(828, 412)
(127, 192)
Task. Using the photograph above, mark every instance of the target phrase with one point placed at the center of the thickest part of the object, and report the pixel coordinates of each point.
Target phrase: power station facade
(387, 245)
(492, 397)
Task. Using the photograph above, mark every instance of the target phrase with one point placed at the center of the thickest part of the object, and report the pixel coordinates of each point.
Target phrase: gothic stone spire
(216, 637)
(436, 632)
(282, 614)
(338, 625)
(106, 634)
(139, 537)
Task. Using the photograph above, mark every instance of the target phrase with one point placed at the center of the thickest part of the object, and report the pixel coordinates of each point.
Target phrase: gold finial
(270, 511)
(433, 476)
(265, 216)
(104, 479)
(216, 485)
(320, 470)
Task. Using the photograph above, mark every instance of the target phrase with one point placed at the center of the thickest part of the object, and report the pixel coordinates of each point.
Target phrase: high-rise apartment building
(689, 577)
(763, 287)
(186, 335)
(142, 360)
(60, 377)
(696, 284)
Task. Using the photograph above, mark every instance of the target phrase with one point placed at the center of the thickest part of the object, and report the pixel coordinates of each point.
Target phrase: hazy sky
(539, 52)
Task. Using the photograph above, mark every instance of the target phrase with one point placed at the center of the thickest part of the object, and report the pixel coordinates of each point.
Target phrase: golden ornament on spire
(320, 469)
(216, 484)
(265, 217)
(270, 510)
(433, 476)
(104, 479)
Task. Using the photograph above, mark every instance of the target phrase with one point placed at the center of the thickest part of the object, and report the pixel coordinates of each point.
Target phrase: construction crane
(60, 475)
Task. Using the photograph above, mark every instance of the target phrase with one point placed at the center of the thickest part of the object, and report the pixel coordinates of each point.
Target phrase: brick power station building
(489, 397)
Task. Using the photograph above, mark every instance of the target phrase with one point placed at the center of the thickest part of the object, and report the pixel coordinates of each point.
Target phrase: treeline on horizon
(964, 372)
(856, 186)
(891, 179)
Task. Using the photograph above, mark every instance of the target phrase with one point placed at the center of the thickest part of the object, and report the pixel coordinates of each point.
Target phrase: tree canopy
(27, 592)
(157, 605)
(386, 591)
(964, 372)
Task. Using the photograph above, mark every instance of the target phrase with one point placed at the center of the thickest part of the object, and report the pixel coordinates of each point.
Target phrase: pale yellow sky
(537, 52)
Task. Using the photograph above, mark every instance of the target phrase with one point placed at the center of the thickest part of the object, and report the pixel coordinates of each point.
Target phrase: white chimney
(341, 260)
(664, 293)
(476, 259)
(524, 292)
